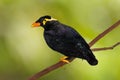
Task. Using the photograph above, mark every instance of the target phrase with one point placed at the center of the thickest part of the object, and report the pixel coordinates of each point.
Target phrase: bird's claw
(64, 59)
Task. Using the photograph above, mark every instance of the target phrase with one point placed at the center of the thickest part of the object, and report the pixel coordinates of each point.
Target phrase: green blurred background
(23, 51)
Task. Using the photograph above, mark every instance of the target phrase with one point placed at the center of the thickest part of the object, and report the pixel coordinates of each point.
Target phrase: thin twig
(106, 48)
(104, 33)
(60, 63)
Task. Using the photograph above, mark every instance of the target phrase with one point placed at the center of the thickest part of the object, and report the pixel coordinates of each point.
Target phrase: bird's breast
(53, 39)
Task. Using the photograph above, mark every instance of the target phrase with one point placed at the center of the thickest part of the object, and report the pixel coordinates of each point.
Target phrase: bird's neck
(51, 25)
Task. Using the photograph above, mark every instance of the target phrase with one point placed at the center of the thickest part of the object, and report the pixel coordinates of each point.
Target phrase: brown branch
(60, 63)
(106, 48)
(47, 70)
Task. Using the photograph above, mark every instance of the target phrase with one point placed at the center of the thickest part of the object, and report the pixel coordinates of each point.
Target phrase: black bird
(65, 39)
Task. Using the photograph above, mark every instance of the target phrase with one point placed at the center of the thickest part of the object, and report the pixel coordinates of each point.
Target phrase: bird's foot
(64, 59)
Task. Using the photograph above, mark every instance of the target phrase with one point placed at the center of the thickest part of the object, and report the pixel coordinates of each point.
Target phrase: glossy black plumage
(66, 40)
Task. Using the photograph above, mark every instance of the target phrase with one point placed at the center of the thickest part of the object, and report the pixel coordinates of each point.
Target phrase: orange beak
(36, 24)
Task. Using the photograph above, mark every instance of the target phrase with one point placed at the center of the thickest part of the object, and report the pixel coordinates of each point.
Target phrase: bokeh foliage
(24, 52)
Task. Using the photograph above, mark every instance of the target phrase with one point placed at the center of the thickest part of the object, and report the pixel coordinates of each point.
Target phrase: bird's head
(42, 21)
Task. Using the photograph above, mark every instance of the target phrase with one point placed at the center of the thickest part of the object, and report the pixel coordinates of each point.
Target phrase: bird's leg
(106, 48)
(65, 59)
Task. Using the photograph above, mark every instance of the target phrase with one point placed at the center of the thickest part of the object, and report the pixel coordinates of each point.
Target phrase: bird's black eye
(45, 20)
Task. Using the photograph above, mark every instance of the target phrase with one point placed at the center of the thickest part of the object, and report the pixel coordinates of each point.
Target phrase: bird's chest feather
(54, 38)
(57, 40)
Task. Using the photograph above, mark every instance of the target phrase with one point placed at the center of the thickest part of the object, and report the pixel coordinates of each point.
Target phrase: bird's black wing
(73, 36)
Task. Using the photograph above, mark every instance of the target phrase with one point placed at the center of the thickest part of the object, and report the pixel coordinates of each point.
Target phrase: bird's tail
(91, 59)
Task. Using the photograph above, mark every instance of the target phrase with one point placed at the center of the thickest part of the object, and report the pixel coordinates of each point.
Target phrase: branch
(49, 69)
(106, 48)
(60, 63)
